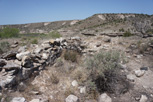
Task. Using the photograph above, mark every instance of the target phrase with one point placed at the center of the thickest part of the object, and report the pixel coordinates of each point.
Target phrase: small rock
(38, 50)
(108, 39)
(26, 72)
(9, 55)
(139, 56)
(83, 90)
(35, 100)
(1, 94)
(2, 62)
(76, 38)
(19, 56)
(11, 65)
(45, 56)
(18, 99)
(22, 87)
(143, 98)
(122, 66)
(139, 73)
(14, 45)
(22, 49)
(89, 34)
(34, 92)
(74, 83)
(72, 98)
(144, 68)
(98, 44)
(26, 62)
(16, 42)
(131, 77)
(104, 98)
(7, 80)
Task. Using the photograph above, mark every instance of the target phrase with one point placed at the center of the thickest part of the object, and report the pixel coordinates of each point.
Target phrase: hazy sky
(28, 11)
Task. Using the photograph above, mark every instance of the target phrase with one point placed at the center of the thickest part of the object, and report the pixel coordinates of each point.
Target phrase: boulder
(27, 62)
(72, 98)
(104, 98)
(19, 56)
(18, 99)
(139, 73)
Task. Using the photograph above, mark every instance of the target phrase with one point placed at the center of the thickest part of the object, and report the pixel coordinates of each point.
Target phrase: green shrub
(150, 31)
(127, 34)
(121, 30)
(70, 55)
(34, 41)
(102, 62)
(104, 73)
(9, 32)
(4, 47)
(54, 34)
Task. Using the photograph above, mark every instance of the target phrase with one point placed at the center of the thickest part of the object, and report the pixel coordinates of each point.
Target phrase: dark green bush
(9, 32)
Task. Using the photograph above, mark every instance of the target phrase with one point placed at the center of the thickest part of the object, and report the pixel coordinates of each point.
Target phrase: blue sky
(28, 11)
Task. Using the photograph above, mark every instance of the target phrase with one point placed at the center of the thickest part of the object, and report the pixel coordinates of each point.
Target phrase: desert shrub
(54, 79)
(71, 55)
(9, 32)
(149, 31)
(59, 62)
(104, 73)
(127, 34)
(102, 62)
(4, 47)
(121, 30)
(54, 34)
(34, 41)
(143, 47)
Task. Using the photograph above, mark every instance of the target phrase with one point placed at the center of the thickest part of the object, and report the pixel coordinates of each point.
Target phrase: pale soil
(66, 74)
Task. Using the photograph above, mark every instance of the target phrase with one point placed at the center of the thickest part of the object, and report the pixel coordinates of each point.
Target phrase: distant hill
(98, 23)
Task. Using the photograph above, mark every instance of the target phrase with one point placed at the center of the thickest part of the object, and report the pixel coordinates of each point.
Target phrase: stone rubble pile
(15, 67)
